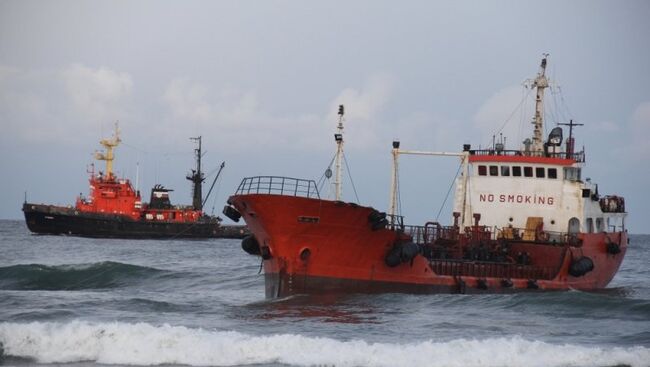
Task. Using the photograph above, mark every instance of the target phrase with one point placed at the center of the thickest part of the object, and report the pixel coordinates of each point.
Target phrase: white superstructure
(542, 181)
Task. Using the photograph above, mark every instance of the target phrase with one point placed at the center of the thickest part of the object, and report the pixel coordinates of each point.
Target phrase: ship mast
(540, 82)
(197, 178)
(108, 156)
(339, 154)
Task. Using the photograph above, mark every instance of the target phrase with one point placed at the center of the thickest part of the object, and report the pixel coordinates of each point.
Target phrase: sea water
(88, 302)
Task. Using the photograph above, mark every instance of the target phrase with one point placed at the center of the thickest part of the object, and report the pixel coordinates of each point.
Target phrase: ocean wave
(144, 344)
(106, 274)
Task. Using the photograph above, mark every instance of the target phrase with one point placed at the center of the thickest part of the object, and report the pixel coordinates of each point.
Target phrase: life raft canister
(581, 266)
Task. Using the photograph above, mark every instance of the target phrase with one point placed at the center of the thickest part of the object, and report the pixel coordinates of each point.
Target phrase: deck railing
(576, 156)
(433, 231)
(278, 185)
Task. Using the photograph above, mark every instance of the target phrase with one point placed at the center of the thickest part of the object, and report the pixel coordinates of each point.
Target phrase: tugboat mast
(108, 156)
(339, 154)
(540, 82)
(197, 178)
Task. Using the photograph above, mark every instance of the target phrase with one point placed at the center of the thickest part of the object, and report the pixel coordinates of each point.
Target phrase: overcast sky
(261, 81)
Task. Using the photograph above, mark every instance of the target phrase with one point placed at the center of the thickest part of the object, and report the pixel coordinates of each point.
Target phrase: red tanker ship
(114, 209)
(523, 219)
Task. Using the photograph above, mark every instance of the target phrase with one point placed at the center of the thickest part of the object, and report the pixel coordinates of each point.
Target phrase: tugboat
(113, 209)
(523, 220)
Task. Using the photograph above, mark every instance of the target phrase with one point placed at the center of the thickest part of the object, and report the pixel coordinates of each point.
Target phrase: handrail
(278, 185)
(579, 157)
(428, 234)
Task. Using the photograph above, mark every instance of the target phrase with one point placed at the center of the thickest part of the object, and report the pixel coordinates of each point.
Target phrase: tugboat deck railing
(278, 185)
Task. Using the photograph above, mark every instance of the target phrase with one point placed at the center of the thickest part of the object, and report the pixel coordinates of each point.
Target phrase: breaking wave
(106, 274)
(145, 344)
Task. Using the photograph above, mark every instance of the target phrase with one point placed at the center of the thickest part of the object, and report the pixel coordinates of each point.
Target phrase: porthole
(305, 253)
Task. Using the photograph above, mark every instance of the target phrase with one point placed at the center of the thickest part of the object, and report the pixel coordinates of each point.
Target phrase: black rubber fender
(409, 251)
(482, 284)
(532, 284)
(581, 266)
(377, 220)
(376, 216)
(613, 248)
(231, 213)
(250, 245)
(393, 257)
(401, 253)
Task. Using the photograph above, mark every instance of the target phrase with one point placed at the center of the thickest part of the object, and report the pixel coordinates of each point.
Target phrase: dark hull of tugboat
(57, 220)
(317, 246)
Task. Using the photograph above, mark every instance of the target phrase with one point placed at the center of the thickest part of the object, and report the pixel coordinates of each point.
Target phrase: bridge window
(494, 170)
(572, 173)
(516, 171)
(539, 172)
(528, 171)
(590, 225)
(505, 170)
(552, 173)
(482, 170)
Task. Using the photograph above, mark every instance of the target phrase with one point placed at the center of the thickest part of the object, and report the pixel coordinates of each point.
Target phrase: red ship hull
(314, 246)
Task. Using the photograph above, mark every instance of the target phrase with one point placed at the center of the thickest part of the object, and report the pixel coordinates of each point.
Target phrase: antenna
(338, 137)
(109, 144)
(197, 178)
(570, 143)
(540, 83)
(137, 176)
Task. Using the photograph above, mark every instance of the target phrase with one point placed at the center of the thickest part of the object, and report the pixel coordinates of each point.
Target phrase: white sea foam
(144, 344)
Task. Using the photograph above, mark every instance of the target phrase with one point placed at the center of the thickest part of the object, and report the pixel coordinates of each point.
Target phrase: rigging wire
(216, 195)
(564, 104)
(558, 113)
(449, 191)
(322, 178)
(345, 160)
(522, 115)
(552, 110)
(512, 114)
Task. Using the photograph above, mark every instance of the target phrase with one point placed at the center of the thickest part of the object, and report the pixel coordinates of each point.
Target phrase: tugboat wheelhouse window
(528, 171)
(482, 171)
(539, 172)
(552, 173)
(516, 171)
(494, 170)
(505, 170)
